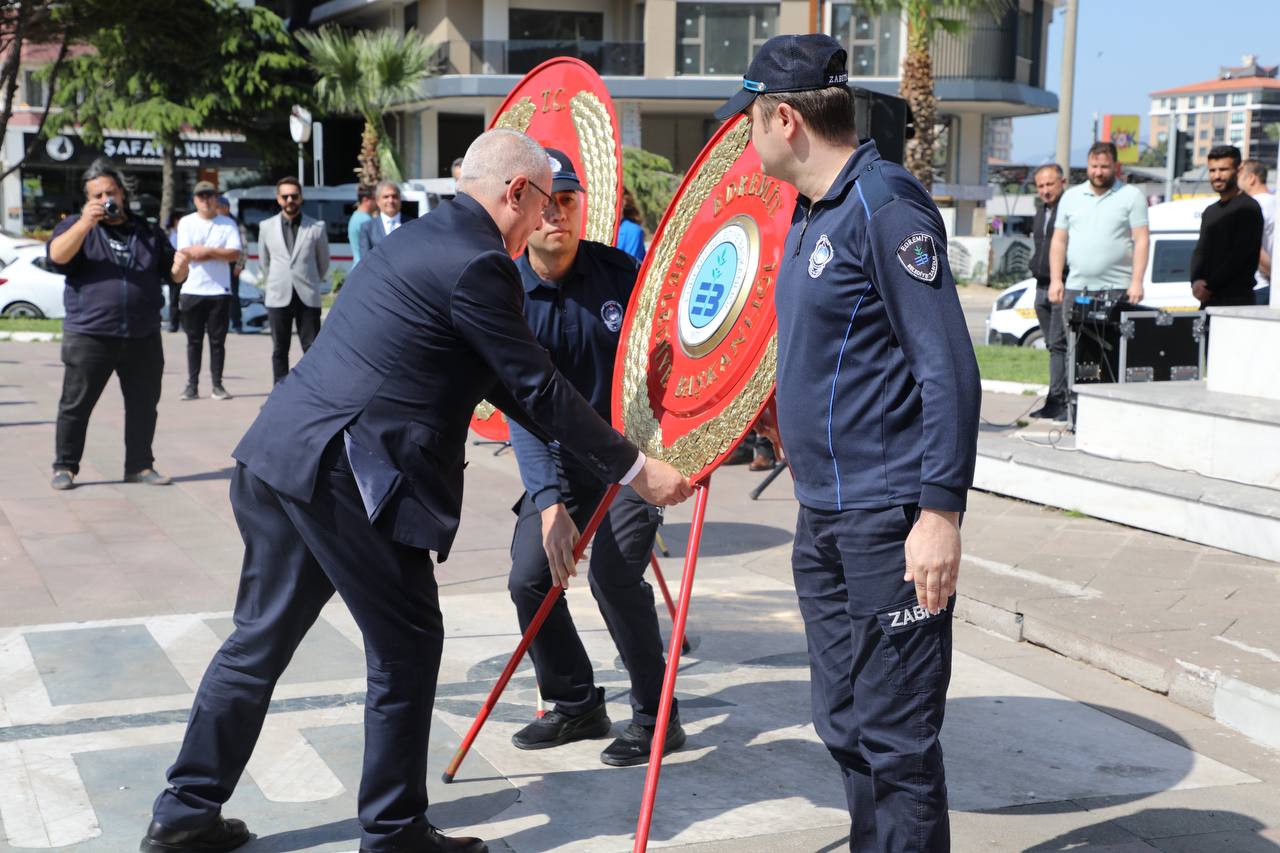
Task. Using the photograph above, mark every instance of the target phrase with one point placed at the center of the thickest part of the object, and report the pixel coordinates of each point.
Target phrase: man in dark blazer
(352, 473)
(386, 221)
(1050, 185)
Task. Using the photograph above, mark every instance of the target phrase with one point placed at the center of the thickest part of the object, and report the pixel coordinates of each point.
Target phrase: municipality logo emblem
(919, 257)
(822, 255)
(611, 313)
(716, 286)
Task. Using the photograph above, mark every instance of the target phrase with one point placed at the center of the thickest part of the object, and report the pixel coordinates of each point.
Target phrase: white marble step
(1244, 351)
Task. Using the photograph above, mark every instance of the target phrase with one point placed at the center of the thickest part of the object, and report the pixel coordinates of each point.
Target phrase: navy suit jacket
(424, 329)
(372, 233)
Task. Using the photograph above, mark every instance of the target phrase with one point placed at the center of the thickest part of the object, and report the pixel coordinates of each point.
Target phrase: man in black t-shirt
(1226, 255)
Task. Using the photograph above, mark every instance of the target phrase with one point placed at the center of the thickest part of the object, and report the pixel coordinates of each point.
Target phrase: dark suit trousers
(282, 321)
(296, 555)
(1054, 328)
(619, 556)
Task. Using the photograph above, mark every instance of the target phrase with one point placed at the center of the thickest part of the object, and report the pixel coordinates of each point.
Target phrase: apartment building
(668, 63)
(1233, 108)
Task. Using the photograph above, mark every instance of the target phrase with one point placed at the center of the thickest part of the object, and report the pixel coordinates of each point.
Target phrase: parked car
(28, 286)
(10, 243)
(253, 310)
(1175, 227)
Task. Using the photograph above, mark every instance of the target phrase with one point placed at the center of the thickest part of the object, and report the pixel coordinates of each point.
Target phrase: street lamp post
(1068, 86)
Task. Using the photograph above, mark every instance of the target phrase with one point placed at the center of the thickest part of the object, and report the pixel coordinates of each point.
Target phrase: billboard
(1123, 131)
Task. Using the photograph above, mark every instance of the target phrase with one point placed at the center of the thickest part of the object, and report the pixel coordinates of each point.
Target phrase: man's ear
(787, 120)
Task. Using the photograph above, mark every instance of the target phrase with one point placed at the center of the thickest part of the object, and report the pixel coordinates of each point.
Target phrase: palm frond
(339, 64)
(396, 63)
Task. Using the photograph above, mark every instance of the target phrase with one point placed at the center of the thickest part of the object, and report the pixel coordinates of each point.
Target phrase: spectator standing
(1100, 237)
(630, 231)
(293, 255)
(363, 213)
(1050, 185)
(1253, 180)
(1226, 256)
(212, 242)
(387, 220)
(237, 266)
(116, 267)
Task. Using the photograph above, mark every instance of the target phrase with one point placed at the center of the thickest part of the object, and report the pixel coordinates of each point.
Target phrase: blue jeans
(879, 670)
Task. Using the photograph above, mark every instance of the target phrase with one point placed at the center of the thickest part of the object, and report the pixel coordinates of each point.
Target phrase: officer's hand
(559, 538)
(92, 213)
(933, 557)
(1057, 292)
(660, 484)
(1135, 294)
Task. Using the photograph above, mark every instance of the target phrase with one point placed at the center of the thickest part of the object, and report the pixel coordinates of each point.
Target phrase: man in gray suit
(293, 253)
(386, 220)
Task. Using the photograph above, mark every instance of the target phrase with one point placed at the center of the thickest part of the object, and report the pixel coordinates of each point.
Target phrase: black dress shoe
(636, 743)
(556, 728)
(436, 842)
(1050, 411)
(217, 837)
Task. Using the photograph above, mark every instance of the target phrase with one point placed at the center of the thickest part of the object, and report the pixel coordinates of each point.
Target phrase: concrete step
(1183, 425)
(1232, 516)
(1244, 349)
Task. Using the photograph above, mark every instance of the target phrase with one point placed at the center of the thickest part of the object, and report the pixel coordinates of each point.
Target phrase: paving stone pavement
(116, 596)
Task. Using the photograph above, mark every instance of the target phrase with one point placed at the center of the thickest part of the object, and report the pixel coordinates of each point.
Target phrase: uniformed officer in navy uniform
(575, 294)
(352, 475)
(878, 398)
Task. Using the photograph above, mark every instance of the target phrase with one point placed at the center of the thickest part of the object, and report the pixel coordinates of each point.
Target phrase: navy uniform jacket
(579, 322)
(430, 323)
(878, 388)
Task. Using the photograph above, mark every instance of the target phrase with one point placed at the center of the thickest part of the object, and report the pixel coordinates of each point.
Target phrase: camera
(110, 208)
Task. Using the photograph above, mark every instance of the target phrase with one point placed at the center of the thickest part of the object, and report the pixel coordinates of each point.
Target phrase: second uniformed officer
(575, 294)
(878, 398)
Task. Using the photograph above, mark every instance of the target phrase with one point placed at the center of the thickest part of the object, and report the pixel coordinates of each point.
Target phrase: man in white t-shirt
(1253, 180)
(212, 242)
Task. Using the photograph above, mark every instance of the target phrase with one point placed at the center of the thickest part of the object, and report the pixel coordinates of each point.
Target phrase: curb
(1247, 708)
(1000, 386)
(30, 337)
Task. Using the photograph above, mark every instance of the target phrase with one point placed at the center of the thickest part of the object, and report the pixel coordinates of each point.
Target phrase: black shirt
(290, 231)
(1042, 235)
(1226, 255)
(118, 238)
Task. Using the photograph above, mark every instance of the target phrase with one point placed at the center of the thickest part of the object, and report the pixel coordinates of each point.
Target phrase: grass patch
(25, 324)
(326, 301)
(1013, 364)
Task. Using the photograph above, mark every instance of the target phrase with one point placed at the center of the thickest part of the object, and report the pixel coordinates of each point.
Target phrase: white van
(1175, 227)
(333, 206)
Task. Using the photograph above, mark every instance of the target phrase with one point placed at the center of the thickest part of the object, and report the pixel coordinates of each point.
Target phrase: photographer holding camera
(116, 266)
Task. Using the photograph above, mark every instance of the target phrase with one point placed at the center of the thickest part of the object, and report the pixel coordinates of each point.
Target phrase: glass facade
(872, 41)
(721, 38)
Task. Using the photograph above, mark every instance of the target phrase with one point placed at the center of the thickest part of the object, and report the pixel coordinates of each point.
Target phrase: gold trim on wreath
(485, 410)
(517, 116)
(692, 452)
(600, 162)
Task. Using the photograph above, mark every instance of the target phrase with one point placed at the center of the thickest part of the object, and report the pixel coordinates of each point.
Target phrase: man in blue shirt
(878, 397)
(362, 214)
(575, 294)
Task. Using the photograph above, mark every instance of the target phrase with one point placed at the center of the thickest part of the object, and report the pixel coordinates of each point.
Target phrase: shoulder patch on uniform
(919, 256)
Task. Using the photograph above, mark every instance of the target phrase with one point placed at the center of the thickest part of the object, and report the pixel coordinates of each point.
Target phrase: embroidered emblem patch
(822, 255)
(611, 313)
(919, 257)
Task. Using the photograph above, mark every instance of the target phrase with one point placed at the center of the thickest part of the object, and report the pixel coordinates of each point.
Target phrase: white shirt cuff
(633, 470)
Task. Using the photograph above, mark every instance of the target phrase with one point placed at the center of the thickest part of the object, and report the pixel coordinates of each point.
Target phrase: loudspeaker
(884, 118)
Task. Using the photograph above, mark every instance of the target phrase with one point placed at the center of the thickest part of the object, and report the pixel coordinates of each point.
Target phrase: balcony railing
(519, 56)
(980, 53)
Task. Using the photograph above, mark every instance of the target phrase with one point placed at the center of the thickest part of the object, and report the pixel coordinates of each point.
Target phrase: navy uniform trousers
(879, 670)
(619, 556)
(296, 555)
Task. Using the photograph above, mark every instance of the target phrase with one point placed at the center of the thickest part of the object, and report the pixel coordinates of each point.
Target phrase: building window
(1237, 117)
(721, 38)
(1204, 100)
(411, 17)
(1219, 100)
(34, 89)
(554, 25)
(870, 40)
(1204, 133)
(1219, 134)
(1239, 99)
(1237, 135)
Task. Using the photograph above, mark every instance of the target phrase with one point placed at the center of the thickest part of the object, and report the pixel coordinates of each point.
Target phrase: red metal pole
(532, 631)
(673, 666)
(666, 594)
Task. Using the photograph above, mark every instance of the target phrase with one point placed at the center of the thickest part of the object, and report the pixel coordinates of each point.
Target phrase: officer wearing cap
(575, 294)
(872, 351)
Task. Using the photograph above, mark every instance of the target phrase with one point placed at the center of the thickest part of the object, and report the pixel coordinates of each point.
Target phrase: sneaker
(555, 728)
(189, 393)
(63, 479)
(148, 476)
(220, 393)
(635, 744)
(218, 837)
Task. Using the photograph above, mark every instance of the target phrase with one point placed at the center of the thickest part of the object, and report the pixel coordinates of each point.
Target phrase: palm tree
(924, 19)
(365, 72)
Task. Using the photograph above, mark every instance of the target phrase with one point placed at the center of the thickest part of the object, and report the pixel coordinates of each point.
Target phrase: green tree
(652, 181)
(146, 69)
(925, 19)
(365, 72)
(1155, 157)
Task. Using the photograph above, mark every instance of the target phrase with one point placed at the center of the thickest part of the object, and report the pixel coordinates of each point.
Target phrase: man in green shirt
(1101, 235)
(363, 213)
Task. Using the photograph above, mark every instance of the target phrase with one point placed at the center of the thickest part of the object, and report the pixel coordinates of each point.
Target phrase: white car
(10, 243)
(1175, 227)
(27, 286)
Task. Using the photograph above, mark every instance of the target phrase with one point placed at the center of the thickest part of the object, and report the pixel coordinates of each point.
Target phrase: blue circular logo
(711, 288)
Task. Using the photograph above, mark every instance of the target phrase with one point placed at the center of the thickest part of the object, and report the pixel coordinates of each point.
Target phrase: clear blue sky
(1126, 49)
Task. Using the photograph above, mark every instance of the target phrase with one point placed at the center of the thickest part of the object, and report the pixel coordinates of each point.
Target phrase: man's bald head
(496, 157)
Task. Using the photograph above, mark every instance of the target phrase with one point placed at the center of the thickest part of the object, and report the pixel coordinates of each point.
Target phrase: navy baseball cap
(563, 175)
(790, 64)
